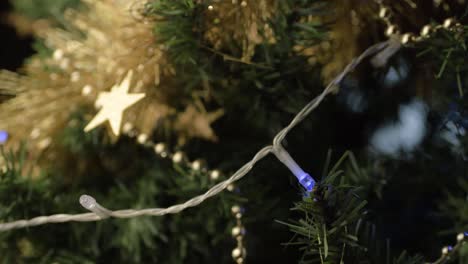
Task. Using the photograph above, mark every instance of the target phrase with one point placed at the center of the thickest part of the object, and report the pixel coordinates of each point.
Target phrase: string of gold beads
(212, 6)
(177, 157)
(449, 251)
(426, 31)
(238, 231)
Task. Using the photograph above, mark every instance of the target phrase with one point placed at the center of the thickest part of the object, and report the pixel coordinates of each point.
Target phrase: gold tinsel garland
(239, 23)
(356, 24)
(108, 38)
(101, 44)
(351, 29)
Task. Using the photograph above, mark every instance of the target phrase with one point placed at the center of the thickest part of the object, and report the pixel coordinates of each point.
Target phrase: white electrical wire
(98, 212)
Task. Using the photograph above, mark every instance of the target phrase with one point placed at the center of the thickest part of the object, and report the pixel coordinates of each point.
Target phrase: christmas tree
(233, 131)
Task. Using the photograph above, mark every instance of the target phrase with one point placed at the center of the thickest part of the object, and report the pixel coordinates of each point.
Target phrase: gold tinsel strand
(100, 46)
(350, 26)
(243, 22)
(356, 24)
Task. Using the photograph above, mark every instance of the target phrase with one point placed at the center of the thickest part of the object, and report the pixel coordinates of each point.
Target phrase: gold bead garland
(162, 151)
(81, 70)
(214, 175)
(238, 232)
(449, 251)
(243, 22)
(426, 31)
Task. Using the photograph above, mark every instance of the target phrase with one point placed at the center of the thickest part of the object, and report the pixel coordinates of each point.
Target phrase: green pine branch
(101, 169)
(50, 9)
(333, 225)
(447, 51)
(175, 27)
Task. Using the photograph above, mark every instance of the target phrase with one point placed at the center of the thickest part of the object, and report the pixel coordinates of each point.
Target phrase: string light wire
(98, 212)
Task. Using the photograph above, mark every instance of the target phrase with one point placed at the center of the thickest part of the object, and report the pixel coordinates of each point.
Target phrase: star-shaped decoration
(195, 122)
(113, 104)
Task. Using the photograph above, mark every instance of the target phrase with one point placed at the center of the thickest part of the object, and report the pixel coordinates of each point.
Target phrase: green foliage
(175, 29)
(448, 51)
(180, 24)
(346, 220)
(275, 84)
(52, 9)
(307, 33)
(463, 253)
(334, 225)
(116, 184)
(455, 207)
(403, 258)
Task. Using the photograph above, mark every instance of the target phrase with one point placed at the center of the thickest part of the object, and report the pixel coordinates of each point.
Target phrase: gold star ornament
(113, 104)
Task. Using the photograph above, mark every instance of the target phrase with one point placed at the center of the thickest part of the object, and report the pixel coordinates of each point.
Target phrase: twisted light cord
(99, 212)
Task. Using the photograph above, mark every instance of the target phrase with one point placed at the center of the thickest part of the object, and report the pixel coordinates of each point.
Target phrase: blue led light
(304, 178)
(307, 182)
(3, 136)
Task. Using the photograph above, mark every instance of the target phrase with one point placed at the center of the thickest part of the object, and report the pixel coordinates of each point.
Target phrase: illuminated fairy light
(3, 136)
(303, 177)
(98, 212)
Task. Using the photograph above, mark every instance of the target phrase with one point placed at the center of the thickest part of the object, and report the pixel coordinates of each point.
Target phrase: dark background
(13, 48)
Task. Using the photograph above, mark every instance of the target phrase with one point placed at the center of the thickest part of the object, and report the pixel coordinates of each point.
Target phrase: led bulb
(304, 178)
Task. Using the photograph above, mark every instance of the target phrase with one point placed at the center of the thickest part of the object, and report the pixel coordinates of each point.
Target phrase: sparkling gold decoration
(448, 252)
(238, 232)
(113, 104)
(426, 30)
(245, 23)
(214, 175)
(445, 250)
(79, 70)
(178, 157)
(236, 253)
(406, 38)
(196, 123)
(87, 89)
(239, 253)
(352, 28)
(235, 209)
(142, 138)
(231, 187)
(127, 128)
(84, 67)
(344, 41)
(160, 148)
(197, 165)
